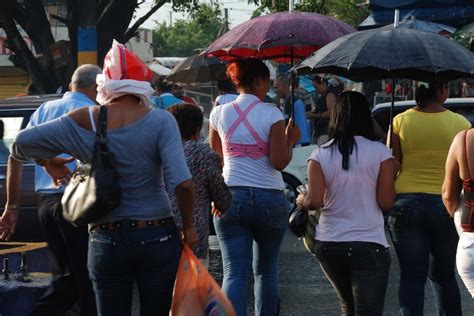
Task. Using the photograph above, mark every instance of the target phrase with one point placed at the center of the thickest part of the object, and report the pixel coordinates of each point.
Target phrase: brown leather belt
(134, 224)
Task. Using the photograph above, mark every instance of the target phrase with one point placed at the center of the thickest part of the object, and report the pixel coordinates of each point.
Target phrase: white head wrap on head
(108, 89)
(124, 73)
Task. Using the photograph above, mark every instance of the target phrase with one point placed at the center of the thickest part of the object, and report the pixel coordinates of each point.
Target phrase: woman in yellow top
(422, 231)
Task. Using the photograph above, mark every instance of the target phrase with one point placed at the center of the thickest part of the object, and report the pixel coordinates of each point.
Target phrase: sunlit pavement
(305, 290)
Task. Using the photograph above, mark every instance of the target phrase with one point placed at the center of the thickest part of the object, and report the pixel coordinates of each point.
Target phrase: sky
(239, 11)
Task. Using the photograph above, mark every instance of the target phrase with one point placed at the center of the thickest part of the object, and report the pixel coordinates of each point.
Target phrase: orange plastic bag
(195, 291)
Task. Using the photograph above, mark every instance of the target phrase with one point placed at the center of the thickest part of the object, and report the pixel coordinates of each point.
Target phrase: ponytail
(424, 95)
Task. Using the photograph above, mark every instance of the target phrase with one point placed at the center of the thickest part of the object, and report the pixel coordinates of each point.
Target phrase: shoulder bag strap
(101, 133)
(102, 122)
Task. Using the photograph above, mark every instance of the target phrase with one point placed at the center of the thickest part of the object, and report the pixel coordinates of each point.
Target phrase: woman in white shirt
(250, 135)
(352, 176)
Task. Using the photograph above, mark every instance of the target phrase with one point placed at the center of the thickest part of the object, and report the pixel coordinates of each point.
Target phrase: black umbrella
(197, 69)
(390, 52)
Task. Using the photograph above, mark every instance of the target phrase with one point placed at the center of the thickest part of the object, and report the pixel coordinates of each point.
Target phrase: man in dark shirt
(323, 110)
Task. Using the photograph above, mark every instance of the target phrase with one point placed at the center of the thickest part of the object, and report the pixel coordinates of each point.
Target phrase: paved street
(306, 291)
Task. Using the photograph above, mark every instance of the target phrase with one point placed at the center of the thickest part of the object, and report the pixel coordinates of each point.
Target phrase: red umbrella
(279, 36)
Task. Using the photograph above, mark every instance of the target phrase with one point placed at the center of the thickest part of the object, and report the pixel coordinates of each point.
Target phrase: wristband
(12, 206)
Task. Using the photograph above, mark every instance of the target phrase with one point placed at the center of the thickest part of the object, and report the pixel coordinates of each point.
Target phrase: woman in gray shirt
(138, 241)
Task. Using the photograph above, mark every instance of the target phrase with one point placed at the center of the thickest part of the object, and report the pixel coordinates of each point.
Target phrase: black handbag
(93, 190)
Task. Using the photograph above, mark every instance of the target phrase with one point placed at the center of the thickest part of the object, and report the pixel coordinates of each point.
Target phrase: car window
(382, 115)
(10, 124)
(468, 113)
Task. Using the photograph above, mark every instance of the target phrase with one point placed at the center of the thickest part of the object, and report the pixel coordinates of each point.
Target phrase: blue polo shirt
(47, 112)
(301, 121)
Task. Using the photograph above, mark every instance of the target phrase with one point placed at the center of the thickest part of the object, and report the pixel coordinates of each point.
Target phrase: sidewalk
(306, 291)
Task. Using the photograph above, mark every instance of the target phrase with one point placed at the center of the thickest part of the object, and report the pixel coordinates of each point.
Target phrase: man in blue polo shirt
(281, 85)
(67, 245)
(165, 98)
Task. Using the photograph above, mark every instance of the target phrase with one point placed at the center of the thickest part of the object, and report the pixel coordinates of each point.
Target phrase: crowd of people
(171, 181)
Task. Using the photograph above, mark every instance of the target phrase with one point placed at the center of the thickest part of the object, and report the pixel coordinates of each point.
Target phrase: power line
(244, 10)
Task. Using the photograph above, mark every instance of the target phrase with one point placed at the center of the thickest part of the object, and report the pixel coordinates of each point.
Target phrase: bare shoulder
(460, 136)
(458, 142)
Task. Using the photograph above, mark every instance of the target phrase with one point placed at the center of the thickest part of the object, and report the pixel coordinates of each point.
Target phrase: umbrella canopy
(278, 36)
(415, 24)
(392, 53)
(197, 69)
(159, 69)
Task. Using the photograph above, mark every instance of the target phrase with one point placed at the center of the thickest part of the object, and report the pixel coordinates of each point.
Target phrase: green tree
(111, 19)
(348, 11)
(185, 37)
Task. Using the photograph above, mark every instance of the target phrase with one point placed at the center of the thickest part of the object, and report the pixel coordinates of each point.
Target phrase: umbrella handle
(392, 108)
(292, 78)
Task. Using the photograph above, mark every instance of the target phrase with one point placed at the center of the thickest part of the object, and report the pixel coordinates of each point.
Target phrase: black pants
(358, 271)
(67, 248)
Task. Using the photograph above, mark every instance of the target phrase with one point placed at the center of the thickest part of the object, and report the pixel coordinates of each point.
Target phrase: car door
(28, 229)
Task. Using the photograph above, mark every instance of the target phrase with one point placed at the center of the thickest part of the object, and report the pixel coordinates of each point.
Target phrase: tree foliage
(185, 37)
(345, 10)
(111, 18)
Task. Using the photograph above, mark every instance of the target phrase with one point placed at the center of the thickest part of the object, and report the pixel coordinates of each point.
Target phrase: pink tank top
(253, 151)
(467, 213)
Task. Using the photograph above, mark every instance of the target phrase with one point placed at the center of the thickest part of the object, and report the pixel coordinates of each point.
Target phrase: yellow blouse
(425, 139)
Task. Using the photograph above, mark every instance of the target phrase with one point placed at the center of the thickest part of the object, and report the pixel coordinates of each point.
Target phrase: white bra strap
(91, 116)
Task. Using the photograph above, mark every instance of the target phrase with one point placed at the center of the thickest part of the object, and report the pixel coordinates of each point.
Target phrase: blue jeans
(358, 271)
(250, 233)
(425, 240)
(147, 256)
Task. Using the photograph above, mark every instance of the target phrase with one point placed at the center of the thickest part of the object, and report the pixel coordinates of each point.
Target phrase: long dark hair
(350, 117)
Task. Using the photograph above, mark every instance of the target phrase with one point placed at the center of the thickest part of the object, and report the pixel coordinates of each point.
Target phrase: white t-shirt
(244, 171)
(351, 211)
(225, 98)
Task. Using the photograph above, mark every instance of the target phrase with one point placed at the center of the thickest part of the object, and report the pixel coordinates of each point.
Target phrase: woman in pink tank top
(250, 136)
(459, 176)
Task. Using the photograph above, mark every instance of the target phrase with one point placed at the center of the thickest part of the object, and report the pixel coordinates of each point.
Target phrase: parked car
(381, 113)
(295, 174)
(15, 114)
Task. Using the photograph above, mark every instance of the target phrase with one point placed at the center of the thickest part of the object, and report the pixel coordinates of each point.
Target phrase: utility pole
(87, 34)
(171, 18)
(226, 19)
(291, 4)
(274, 6)
(225, 26)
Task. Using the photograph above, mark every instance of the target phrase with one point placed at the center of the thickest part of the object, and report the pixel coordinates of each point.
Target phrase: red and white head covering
(124, 73)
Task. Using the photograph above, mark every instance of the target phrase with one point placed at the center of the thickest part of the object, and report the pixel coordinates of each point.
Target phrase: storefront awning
(452, 16)
(412, 4)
